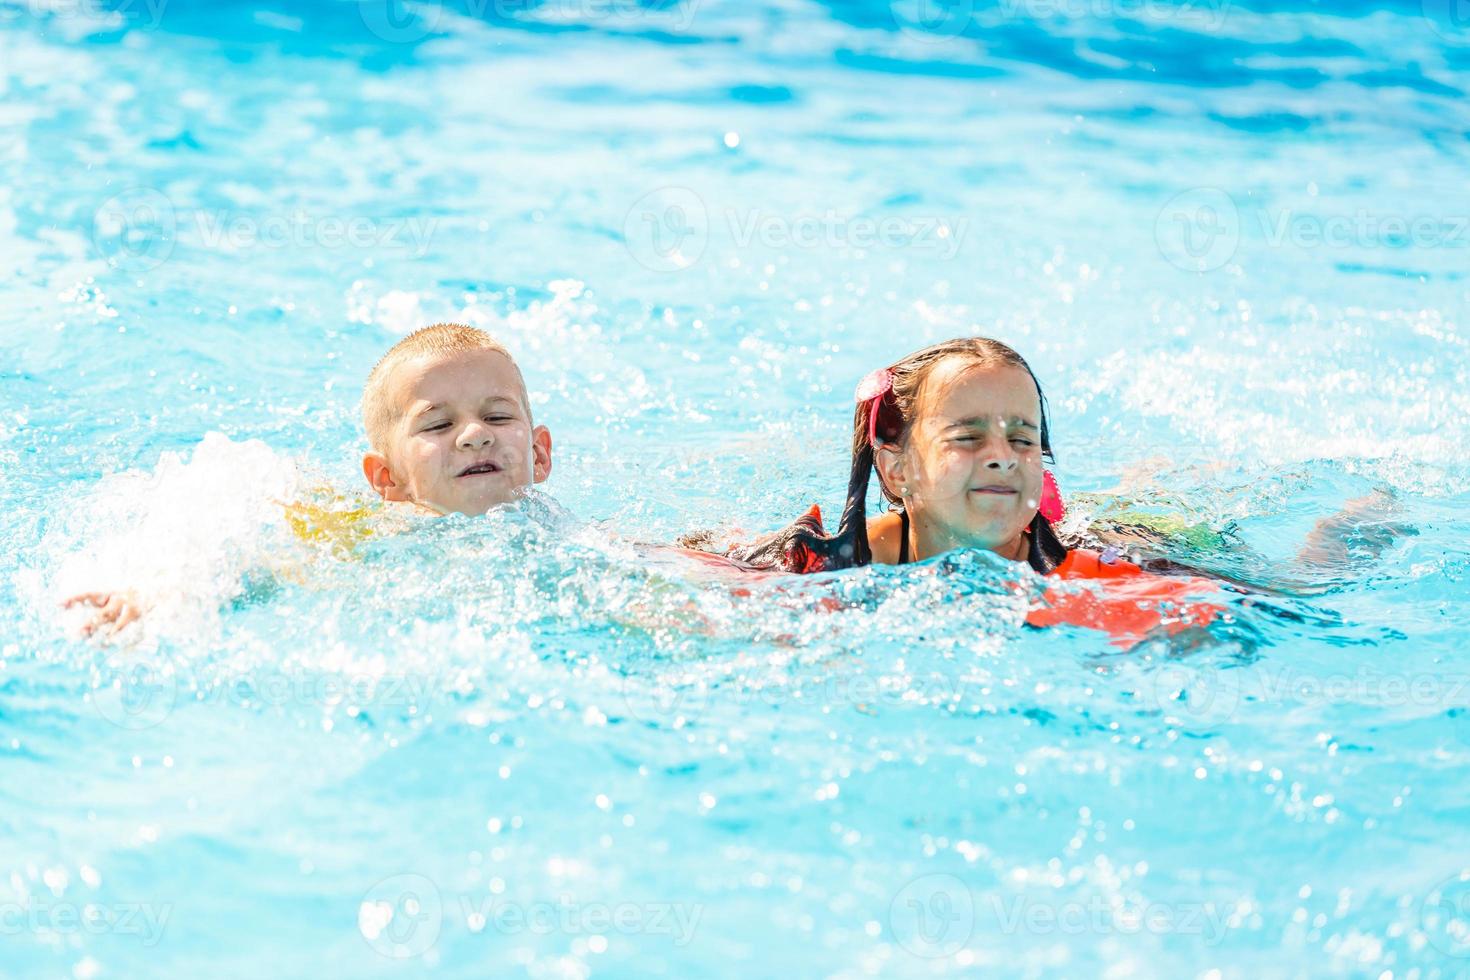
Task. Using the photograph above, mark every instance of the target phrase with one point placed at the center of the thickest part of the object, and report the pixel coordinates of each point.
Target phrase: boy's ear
(380, 477)
(540, 454)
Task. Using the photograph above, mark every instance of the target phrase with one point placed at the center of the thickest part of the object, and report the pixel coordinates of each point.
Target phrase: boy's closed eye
(491, 419)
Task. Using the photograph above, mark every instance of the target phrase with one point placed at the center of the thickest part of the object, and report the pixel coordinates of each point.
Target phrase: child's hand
(1361, 532)
(114, 610)
(801, 546)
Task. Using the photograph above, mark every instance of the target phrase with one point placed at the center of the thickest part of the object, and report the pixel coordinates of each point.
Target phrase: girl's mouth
(995, 488)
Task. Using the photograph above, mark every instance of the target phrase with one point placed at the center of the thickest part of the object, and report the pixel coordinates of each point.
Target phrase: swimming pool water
(1230, 237)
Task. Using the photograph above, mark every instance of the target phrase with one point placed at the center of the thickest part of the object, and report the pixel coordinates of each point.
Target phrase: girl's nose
(1000, 454)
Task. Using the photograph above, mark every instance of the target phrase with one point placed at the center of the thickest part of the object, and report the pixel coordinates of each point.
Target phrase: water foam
(183, 536)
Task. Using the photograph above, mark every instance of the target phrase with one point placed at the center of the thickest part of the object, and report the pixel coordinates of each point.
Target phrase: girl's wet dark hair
(896, 413)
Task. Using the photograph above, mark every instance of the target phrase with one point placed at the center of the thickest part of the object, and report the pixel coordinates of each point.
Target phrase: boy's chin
(482, 503)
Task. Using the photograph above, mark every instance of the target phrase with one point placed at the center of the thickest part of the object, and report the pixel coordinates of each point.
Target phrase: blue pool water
(1231, 238)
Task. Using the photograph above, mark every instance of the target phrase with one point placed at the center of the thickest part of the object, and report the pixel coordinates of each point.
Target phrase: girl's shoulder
(884, 538)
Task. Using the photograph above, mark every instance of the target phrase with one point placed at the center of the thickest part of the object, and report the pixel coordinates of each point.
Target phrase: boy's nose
(475, 435)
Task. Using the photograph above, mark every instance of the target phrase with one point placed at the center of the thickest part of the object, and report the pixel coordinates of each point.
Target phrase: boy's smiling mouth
(479, 469)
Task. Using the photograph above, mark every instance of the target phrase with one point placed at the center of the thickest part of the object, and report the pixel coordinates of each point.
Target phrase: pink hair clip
(1051, 507)
(872, 388)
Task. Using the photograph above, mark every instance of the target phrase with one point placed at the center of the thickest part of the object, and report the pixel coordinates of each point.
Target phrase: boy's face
(462, 440)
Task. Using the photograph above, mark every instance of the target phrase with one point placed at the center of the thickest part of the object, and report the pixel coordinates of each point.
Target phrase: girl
(959, 437)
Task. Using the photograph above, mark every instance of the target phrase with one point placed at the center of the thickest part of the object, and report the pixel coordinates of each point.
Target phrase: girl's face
(972, 460)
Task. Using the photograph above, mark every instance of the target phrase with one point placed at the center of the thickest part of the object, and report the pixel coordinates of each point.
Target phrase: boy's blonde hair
(379, 411)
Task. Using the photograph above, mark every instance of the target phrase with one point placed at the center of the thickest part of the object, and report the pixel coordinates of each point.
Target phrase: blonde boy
(449, 424)
(449, 430)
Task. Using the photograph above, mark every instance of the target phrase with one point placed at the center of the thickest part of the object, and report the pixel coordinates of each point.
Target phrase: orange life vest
(1127, 603)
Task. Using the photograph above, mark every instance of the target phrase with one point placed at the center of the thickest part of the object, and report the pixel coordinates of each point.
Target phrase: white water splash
(182, 537)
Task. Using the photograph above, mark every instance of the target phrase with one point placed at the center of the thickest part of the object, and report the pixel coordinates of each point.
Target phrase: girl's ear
(889, 462)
